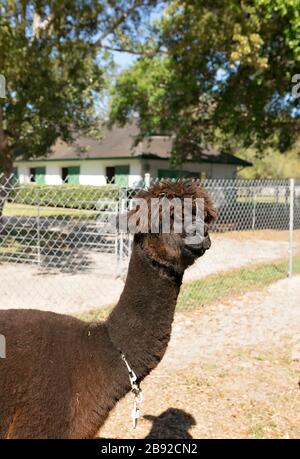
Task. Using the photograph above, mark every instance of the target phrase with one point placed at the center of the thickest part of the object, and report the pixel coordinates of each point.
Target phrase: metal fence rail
(54, 243)
(252, 204)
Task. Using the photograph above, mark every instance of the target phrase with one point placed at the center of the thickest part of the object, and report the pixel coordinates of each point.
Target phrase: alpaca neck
(140, 324)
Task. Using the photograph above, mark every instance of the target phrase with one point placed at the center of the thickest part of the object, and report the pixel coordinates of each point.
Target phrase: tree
(52, 54)
(222, 75)
(272, 164)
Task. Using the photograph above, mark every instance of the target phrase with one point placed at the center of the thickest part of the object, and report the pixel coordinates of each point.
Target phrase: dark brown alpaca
(62, 376)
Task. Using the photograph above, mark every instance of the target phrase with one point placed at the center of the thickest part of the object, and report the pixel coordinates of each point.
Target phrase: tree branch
(132, 51)
(44, 26)
(118, 22)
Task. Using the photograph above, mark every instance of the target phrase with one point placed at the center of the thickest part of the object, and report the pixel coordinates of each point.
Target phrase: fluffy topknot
(181, 189)
(166, 189)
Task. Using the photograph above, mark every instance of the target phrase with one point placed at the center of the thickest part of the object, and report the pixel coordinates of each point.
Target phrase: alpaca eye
(208, 218)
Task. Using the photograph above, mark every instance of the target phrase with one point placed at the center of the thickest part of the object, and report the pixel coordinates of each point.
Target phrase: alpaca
(61, 376)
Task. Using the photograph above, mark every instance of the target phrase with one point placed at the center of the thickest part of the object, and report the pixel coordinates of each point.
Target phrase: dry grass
(250, 393)
(217, 380)
(269, 235)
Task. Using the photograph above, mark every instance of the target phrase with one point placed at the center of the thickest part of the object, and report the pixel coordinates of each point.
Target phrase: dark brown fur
(62, 376)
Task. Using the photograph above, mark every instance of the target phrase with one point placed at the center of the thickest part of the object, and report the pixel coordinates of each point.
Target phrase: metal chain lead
(136, 390)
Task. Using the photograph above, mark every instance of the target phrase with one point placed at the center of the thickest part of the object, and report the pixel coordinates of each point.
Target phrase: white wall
(136, 174)
(53, 174)
(209, 170)
(201, 168)
(91, 172)
(223, 171)
(23, 174)
(94, 172)
(53, 171)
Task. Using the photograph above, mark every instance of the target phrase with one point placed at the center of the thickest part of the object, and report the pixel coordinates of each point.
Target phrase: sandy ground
(25, 286)
(231, 370)
(228, 253)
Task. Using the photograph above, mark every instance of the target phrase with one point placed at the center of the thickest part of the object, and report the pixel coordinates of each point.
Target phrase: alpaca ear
(138, 218)
(210, 213)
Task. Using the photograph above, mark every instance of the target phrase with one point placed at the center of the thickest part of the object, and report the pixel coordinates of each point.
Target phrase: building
(91, 162)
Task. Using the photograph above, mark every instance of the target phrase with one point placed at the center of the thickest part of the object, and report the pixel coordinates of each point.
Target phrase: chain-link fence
(256, 240)
(56, 252)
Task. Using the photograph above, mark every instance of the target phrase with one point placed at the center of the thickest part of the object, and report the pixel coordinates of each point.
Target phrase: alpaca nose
(200, 248)
(206, 243)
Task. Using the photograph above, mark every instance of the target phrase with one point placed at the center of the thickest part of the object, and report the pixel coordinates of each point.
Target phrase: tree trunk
(6, 163)
(5, 184)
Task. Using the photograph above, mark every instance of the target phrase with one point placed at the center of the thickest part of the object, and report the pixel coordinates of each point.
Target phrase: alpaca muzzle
(197, 250)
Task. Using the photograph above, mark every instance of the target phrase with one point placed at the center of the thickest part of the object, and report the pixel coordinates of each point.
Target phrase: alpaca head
(172, 249)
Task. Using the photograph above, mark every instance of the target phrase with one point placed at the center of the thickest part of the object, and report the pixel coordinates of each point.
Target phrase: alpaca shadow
(171, 424)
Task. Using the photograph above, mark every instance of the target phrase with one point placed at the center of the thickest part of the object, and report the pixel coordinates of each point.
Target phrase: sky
(123, 60)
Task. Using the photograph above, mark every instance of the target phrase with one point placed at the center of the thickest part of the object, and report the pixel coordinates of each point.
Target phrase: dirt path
(231, 370)
(25, 286)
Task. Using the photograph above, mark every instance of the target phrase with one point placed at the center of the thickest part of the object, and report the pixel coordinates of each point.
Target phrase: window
(121, 176)
(32, 174)
(74, 174)
(37, 175)
(70, 174)
(110, 174)
(65, 174)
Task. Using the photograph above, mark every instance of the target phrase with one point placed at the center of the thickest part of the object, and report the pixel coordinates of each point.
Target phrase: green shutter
(40, 173)
(174, 174)
(169, 173)
(121, 175)
(74, 173)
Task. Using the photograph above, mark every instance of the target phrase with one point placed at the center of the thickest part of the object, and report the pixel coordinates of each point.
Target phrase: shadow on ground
(171, 424)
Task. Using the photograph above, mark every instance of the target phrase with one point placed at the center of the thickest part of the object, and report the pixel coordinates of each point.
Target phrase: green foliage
(271, 165)
(52, 54)
(25, 210)
(143, 88)
(223, 72)
(67, 196)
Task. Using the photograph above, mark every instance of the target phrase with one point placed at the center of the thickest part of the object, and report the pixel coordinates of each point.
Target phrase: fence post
(291, 226)
(254, 209)
(39, 235)
(147, 180)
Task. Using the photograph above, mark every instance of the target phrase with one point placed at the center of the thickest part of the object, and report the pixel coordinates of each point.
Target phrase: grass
(234, 282)
(263, 199)
(25, 210)
(218, 286)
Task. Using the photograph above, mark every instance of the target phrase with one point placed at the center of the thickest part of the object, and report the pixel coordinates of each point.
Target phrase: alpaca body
(52, 378)
(62, 376)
